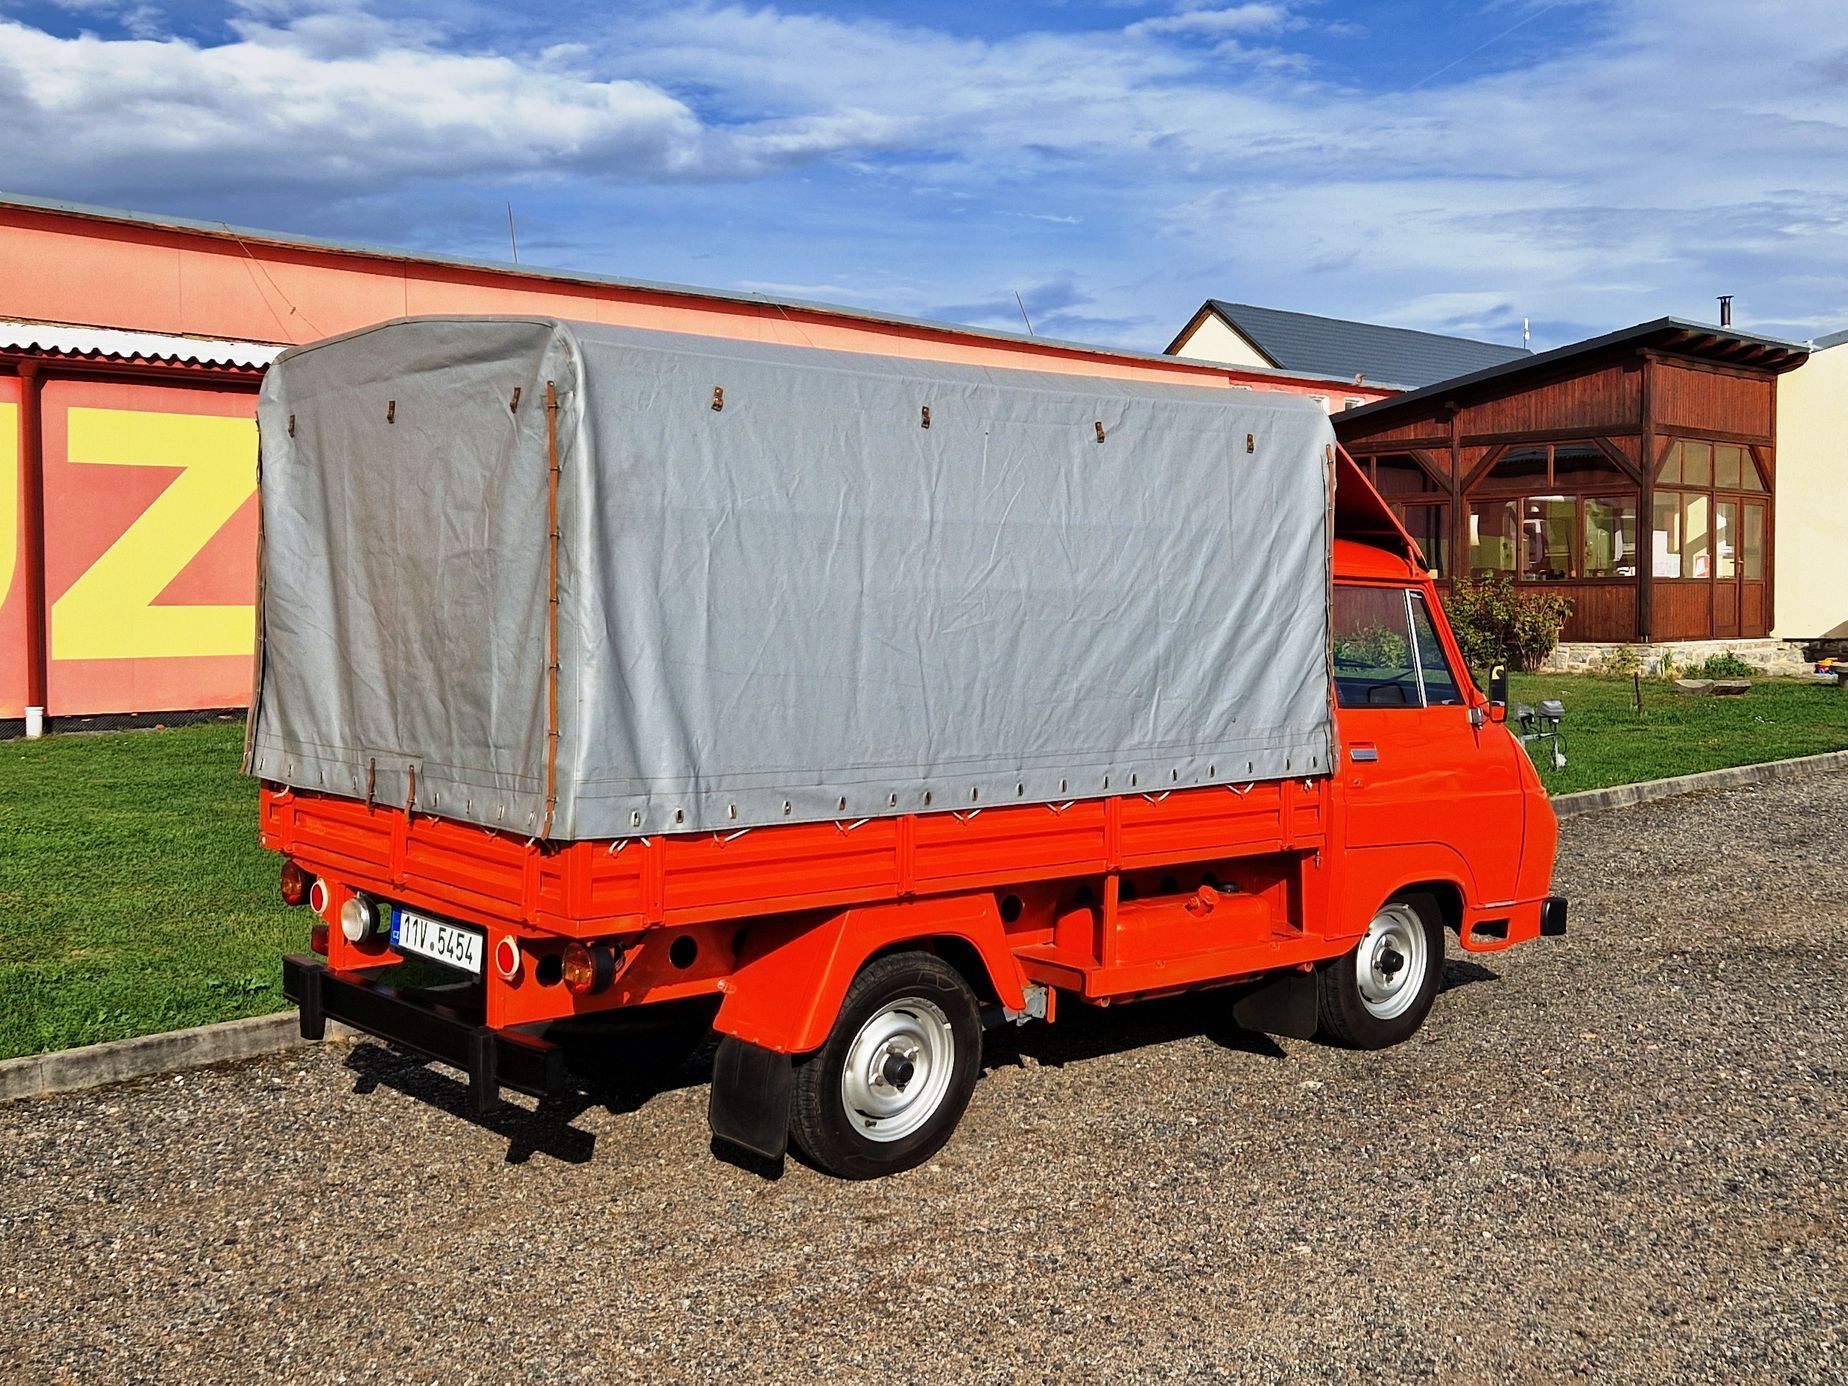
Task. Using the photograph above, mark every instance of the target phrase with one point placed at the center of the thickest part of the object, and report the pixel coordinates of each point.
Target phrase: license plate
(450, 944)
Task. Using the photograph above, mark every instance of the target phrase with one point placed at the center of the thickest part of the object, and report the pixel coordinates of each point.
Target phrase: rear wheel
(1380, 993)
(887, 1089)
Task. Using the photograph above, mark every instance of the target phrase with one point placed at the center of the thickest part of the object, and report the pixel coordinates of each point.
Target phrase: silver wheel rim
(1391, 963)
(898, 1069)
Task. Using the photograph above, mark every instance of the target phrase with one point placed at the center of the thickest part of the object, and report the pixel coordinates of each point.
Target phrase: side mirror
(1498, 713)
(1498, 689)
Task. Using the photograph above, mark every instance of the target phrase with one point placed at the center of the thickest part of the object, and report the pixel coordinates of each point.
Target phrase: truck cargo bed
(589, 888)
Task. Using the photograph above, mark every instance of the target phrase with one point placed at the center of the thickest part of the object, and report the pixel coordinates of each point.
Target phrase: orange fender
(789, 985)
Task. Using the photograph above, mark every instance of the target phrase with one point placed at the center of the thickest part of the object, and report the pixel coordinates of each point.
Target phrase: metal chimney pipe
(1726, 310)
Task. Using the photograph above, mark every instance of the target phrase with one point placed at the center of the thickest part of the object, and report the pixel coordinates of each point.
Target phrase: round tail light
(358, 917)
(507, 958)
(295, 884)
(317, 897)
(589, 967)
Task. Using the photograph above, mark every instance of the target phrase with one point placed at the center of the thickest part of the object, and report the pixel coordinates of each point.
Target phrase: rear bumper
(492, 1059)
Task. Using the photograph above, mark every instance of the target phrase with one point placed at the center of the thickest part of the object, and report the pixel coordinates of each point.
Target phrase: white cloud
(1669, 150)
(1233, 19)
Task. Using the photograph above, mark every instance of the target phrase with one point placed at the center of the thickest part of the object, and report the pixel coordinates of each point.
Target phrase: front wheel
(887, 1089)
(1381, 992)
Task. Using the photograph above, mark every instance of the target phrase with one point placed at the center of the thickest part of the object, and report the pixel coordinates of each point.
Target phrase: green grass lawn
(1608, 743)
(134, 897)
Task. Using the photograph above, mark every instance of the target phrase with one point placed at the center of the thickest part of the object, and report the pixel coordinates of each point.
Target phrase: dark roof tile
(1381, 355)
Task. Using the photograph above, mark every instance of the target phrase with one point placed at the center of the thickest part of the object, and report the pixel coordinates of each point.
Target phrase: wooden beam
(1549, 435)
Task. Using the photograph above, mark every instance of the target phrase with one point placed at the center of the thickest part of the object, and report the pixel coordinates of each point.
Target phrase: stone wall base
(1592, 657)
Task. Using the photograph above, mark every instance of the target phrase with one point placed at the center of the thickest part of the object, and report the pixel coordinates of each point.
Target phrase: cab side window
(1440, 682)
(1375, 665)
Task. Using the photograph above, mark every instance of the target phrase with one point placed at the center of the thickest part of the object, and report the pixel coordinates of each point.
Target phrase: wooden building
(1547, 468)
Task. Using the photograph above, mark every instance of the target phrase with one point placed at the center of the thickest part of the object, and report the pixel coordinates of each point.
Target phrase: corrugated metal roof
(1338, 347)
(113, 344)
(1833, 339)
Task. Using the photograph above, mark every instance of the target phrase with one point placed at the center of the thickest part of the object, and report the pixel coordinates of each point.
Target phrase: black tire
(919, 1001)
(1391, 1007)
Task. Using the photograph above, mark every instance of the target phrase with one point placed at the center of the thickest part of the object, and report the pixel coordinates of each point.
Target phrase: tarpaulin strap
(551, 622)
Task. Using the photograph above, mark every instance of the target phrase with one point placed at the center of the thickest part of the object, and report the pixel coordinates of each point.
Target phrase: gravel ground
(1618, 1155)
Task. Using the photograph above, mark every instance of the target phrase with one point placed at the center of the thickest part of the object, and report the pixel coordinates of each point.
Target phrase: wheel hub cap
(898, 1069)
(1391, 963)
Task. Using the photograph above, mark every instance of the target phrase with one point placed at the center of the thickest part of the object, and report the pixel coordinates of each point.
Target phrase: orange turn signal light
(590, 967)
(296, 882)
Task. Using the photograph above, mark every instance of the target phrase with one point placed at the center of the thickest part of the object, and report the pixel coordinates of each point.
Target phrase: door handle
(1363, 751)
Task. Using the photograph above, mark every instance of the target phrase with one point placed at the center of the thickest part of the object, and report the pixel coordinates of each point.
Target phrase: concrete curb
(93, 1065)
(1625, 795)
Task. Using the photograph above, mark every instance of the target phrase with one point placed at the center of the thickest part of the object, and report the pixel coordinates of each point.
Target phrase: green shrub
(1624, 661)
(1497, 623)
(1378, 647)
(1721, 666)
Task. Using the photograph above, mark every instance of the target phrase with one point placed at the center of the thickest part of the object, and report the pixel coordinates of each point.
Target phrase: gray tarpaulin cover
(804, 605)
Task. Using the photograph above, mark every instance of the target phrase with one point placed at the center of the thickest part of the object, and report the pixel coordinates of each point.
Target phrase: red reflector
(294, 884)
(507, 958)
(317, 939)
(317, 897)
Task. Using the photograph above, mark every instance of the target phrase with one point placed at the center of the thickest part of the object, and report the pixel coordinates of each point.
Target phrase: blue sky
(1450, 166)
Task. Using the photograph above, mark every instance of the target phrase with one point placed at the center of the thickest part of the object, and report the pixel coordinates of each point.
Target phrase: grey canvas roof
(1338, 347)
(723, 584)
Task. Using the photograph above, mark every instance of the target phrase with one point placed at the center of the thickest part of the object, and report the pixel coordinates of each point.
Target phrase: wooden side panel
(1708, 402)
(1362, 435)
(1600, 610)
(1596, 401)
(1755, 615)
(1726, 609)
(1683, 611)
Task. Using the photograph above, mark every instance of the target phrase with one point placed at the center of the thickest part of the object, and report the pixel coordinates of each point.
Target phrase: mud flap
(1281, 1005)
(751, 1092)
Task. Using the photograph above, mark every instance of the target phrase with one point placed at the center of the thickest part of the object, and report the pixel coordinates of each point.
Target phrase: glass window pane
(1440, 683)
(1399, 475)
(1666, 556)
(1749, 480)
(1493, 529)
(1610, 536)
(1696, 536)
(1546, 538)
(1373, 651)
(1727, 460)
(1752, 544)
(1580, 465)
(1518, 467)
(1697, 464)
(1671, 465)
(1430, 526)
(1725, 538)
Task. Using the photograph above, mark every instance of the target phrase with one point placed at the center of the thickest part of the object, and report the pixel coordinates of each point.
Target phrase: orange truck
(616, 687)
